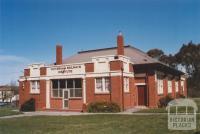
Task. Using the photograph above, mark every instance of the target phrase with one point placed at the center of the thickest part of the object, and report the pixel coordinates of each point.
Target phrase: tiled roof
(137, 56)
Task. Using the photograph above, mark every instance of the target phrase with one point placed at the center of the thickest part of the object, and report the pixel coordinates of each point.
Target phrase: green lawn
(89, 124)
(5, 111)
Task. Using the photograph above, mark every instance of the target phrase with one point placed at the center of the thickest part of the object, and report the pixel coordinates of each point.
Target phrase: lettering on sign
(66, 69)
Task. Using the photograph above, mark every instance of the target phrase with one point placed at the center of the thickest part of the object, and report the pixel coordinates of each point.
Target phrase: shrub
(164, 101)
(180, 95)
(103, 107)
(28, 105)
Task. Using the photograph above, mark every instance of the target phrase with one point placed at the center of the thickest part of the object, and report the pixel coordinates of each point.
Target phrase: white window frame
(176, 86)
(60, 90)
(169, 86)
(36, 84)
(126, 84)
(160, 88)
(103, 89)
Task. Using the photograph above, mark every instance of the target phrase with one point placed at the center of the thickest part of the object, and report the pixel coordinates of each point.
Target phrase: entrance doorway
(65, 98)
(142, 95)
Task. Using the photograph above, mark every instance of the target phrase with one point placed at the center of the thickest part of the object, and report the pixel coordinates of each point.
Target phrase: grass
(94, 124)
(89, 124)
(6, 111)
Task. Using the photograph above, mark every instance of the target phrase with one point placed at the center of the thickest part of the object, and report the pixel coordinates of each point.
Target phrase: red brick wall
(89, 67)
(56, 103)
(120, 45)
(130, 98)
(140, 80)
(26, 72)
(40, 99)
(75, 104)
(43, 71)
(185, 85)
(173, 89)
(90, 92)
(116, 90)
(152, 100)
(58, 54)
(165, 86)
(115, 65)
(130, 67)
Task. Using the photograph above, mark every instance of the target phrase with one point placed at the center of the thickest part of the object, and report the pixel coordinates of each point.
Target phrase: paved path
(48, 113)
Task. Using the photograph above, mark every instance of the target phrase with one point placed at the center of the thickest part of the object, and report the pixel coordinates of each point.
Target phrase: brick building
(121, 74)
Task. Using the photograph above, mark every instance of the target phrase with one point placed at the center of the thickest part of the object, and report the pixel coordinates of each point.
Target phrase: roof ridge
(101, 49)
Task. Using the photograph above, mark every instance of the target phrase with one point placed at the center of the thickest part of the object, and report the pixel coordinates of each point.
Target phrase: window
(160, 85)
(169, 83)
(99, 84)
(182, 85)
(73, 85)
(56, 90)
(176, 86)
(102, 85)
(126, 84)
(35, 86)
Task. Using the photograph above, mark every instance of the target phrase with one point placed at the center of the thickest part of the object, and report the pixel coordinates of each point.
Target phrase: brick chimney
(120, 44)
(58, 54)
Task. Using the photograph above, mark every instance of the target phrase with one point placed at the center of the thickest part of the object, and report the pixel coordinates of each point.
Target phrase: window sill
(56, 98)
(102, 93)
(160, 94)
(76, 98)
(34, 93)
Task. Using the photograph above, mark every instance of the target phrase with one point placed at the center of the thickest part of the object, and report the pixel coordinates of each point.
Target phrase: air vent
(116, 57)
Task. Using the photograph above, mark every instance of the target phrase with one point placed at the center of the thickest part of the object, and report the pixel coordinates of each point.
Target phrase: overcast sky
(30, 29)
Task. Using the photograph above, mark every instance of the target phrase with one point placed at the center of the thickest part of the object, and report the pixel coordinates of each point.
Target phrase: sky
(30, 29)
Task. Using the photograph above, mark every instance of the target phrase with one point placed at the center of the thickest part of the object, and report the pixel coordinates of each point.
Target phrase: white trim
(63, 98)
(138, 84)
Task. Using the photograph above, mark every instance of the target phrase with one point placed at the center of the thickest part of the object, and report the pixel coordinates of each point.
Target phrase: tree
(161, 56)
(189, 57)
(155, 53)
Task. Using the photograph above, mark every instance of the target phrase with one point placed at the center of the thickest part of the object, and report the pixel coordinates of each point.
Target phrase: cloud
(9, 58)
(11, 67)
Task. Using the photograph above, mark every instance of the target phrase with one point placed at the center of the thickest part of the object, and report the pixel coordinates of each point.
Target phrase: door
(142, 95)
(65, 99)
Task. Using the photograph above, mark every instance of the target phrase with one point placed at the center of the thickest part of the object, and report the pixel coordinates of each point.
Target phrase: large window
(102, 85)
(35, 86)
(159, 85)
(73, 85)
(56, 88)
(169, 85)
(126, 84)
